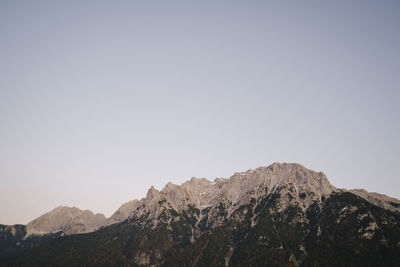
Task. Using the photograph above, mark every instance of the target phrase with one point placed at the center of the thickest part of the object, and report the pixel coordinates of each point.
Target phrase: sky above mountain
(100, 100)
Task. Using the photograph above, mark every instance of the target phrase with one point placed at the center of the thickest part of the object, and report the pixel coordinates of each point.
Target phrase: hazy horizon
(100, 100)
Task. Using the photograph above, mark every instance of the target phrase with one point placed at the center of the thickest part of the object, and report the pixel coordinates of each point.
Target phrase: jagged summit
(239, 189)
(298, 175)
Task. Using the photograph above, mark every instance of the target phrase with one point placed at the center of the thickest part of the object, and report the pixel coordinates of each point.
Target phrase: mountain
(56, 223)
(280, 215)
(201, 192)
(67, 220)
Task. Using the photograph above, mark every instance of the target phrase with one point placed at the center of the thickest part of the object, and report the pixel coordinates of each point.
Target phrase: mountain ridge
(283, 214)
(205, 186)
(202, 193)
(280, 215)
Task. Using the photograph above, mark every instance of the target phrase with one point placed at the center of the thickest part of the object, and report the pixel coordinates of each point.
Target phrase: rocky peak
(302, 178)
(201, 191)
(67, 220)
(243, 186)
(153, 193)
(296, 184)
(177, 196)
(238, 190)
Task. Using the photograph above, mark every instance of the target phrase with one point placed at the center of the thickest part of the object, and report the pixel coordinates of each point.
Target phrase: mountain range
(280, 215)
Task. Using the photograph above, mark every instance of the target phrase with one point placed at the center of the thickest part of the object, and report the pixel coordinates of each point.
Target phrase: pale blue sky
(101, 100)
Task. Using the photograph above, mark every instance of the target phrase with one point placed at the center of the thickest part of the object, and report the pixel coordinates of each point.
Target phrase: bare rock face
(66, 219)
(238, 190)
(379, 200)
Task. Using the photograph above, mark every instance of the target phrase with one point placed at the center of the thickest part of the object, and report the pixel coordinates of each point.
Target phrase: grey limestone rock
(67, 220)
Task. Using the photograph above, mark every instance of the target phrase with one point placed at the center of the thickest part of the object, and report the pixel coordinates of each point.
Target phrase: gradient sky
(101, 100)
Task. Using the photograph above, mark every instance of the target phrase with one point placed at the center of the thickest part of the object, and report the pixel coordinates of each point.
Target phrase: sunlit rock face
(67, 220)
(305, 187)
(238, 190)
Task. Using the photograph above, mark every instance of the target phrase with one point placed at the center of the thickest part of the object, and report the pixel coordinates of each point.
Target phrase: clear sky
(99, 100)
